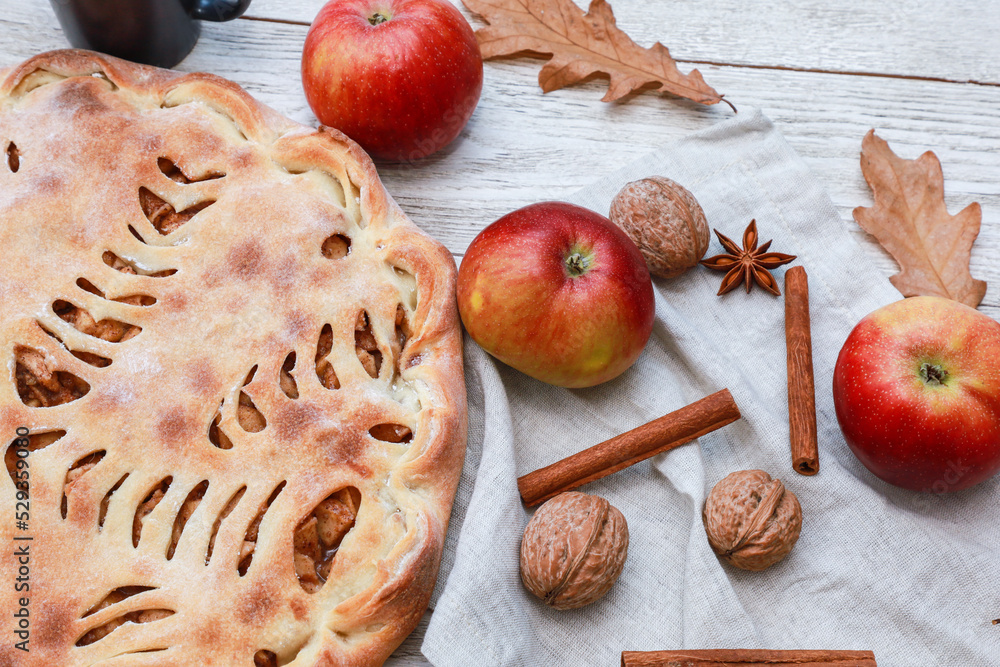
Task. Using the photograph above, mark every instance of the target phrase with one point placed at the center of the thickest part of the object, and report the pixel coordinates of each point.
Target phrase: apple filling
(91, 358)
(73, 475)
(188, 507)
(112, 331)
(366, 348)
(119, 264)
(403, 333)
(391, 433)
(138, 616)
(230, 506)
(324, 369)
(216, 435)
(36, 441)
(131, 300)
(365, 345)
(249, 418)
(319, 534)
(250, 538)
(13, 157)
(106, 501)
(265, 658)
(164, 218)
(285, 380)
(147, 506)
(174, 173)
(39, 384)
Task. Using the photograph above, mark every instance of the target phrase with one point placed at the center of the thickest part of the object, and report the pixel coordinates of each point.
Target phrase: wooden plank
(953, 40)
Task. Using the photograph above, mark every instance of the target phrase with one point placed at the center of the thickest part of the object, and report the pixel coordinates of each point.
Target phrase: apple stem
(377, 17)
(932, 374)
(577, 264)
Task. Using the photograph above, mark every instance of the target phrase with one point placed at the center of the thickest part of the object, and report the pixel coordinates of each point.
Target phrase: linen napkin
(913, 577)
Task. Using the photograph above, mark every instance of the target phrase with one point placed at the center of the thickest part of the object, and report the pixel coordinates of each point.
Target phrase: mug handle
(218, 10)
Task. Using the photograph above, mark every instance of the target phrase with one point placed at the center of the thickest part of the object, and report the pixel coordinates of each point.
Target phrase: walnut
(665, 221)
(752, 521)
(573, 550)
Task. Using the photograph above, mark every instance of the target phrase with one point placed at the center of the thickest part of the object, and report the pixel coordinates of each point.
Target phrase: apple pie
(236, 367)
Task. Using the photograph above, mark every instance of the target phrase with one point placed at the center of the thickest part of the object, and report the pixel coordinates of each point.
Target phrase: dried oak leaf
(582, 45)
(910, 220)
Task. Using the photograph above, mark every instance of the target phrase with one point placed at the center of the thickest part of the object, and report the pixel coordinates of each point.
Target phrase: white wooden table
(924, 73)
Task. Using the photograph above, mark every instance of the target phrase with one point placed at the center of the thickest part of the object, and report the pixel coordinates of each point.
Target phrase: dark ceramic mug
(154, 32)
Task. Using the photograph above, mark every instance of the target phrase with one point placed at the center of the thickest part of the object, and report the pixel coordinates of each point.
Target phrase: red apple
(557, 292)
(917, 394)
(400, 77)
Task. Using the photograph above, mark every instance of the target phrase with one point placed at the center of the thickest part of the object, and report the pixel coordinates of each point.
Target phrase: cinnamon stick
(747, 658)
(660, 435)
(801, 388)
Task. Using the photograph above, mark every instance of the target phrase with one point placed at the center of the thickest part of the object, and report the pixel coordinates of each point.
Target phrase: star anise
(749, 264)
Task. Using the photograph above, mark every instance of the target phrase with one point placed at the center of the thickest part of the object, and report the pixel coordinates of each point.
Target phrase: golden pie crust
(240, 367)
